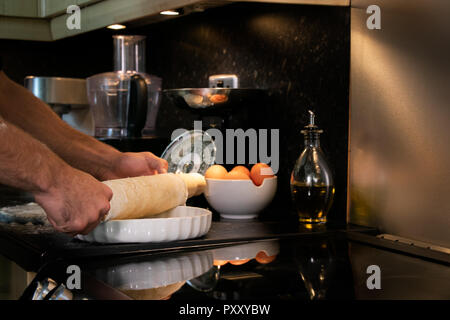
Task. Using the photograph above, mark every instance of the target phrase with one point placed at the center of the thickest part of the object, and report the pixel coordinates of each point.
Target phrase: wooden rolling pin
(145, 196)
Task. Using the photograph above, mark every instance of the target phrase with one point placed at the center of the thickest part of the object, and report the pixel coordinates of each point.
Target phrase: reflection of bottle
(316, 262)
(312, 187)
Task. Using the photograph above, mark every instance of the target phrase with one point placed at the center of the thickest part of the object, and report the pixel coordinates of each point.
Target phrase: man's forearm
(21, 108)
(26, 163)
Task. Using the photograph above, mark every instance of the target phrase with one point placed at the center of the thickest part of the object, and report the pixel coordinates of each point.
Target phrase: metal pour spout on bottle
(312, 186)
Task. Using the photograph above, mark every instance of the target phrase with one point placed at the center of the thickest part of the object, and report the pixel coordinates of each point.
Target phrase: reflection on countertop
(266, 269)
(327, 267)
(156, 279)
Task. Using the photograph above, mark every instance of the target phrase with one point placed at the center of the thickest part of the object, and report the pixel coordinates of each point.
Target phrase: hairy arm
(24, 162)
(21, 108)
(73, 200)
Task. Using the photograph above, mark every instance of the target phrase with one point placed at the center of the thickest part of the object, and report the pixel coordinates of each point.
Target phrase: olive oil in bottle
(312, 187)
(312, 202)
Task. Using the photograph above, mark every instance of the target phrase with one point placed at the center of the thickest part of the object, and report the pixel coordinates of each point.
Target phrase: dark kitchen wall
(299, 53)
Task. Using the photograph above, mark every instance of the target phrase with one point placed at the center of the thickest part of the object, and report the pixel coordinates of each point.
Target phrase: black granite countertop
(328, 265)
(30, 246)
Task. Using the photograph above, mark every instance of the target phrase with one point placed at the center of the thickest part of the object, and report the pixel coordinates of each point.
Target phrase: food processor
(125, 102)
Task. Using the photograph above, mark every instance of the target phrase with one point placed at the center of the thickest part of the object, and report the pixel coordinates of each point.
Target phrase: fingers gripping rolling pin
(146, 196)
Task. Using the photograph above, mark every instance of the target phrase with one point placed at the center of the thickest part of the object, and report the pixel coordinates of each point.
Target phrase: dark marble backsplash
(300, 54)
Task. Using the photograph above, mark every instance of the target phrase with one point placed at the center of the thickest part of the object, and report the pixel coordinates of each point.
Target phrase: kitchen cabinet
(46, 20)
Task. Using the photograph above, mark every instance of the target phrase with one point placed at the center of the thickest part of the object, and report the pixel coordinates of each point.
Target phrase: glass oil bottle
(312, 187)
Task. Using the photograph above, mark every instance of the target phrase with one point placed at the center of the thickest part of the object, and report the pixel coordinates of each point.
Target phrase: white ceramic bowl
(239, 199)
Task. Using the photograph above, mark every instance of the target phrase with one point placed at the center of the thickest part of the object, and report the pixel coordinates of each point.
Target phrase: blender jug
(119, 104)
(129, 58)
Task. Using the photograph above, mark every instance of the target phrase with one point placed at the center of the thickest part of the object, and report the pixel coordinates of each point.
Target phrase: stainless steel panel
(55, 90)
(399, 125)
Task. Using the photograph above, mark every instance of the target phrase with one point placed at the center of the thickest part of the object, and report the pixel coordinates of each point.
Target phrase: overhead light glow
(170, 13)
(116, 26)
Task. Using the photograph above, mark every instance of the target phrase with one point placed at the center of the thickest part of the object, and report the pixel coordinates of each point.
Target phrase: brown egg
(263, 258)
(241, 169)
(239, 262)
(259, 172)
(216, 172)
(237, 175)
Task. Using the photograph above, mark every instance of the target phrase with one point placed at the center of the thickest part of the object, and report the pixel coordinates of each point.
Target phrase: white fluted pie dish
(179, 223)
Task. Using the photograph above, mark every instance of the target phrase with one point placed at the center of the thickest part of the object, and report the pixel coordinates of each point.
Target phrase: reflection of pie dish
(261, 251)
(156, 279)
(161, 293)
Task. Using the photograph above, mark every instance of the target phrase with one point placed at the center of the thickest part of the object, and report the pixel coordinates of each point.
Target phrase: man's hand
(76, 203)
(130, 164)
